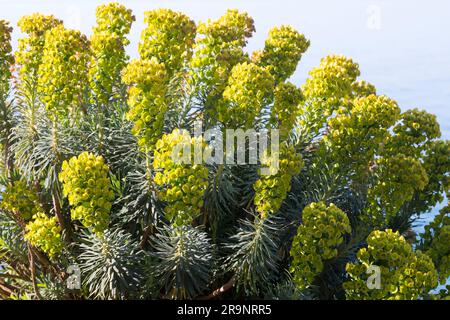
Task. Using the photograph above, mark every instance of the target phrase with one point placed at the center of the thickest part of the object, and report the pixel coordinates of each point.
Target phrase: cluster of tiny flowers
(6, 58)
(87, 186)
(282, 52)
(361, 131)
(285, 109)
(271, 190)
(436, 162)
(182, 184)
(436, 239)
(169, 37)
(148, 86)
(404, 274)
(218, 49)
(62, 73)
(31, 48)
(413, 131)
(19, 199)
(361, 88)
(332, 79)
(317, 239)
(249, 89)
(44, 233)
(397, 178)
(108, 43)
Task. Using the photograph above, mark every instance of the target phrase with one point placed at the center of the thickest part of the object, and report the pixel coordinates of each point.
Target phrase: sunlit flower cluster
(398, 178)
(404, 274)
(317, 240)
(182, 183)
(62, 73)
(332, 79)
(31, 47)
(249, 89)
(285, 109)
(361, 88)
(21, 200)
(108, 43)
(87, 186)
(218, 48)
(360, 132)
(147, 102)
(282, 52)
(415, 129)
(44, 233)
(271, 190)
(169, 37)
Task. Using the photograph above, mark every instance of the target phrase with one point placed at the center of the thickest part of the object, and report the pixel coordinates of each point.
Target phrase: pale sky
(403, 47)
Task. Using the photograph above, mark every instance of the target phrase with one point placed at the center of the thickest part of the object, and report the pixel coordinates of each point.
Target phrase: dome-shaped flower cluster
(87, 186)
(435, 161)
(62, 73)
(19, 199)
(286, 108)
(316, 241)
(169, 37)
(332, 79)
(397, 179)
(404, 274)
(108, 43)
(249, 89)
(44, 233)
(271, 190)
(282, 52)
(148, 80)
(360, 132)
(415, 129)
(182, 182)
(31, 48)
(361, 88)
(218, 48)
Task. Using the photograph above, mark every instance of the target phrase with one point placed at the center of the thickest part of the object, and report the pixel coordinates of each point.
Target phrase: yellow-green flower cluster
(169, 37)
(63, 71)
(182, 182)
(404, 274)
(285, 109)
(361, 88)
(397, 177)
(361, 132)
(249, 89)
(108, 43)
(271, 190)
(218, 48)
(331, 80)
(31, 48)
(45, 233)
(147, 99)
(317, 239)
(19, 199)
(282, 52)
(328, 87)
(87, 186)
(6, 58)
(436, 162)
(436, 240)
(415, 129)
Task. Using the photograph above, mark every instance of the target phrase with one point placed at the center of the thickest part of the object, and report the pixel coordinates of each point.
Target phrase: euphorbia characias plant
(100, 167)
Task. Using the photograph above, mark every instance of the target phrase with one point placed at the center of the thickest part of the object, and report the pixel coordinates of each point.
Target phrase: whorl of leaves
(184, 261)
